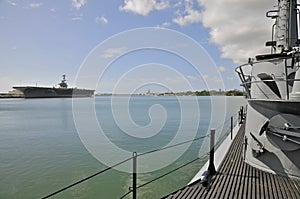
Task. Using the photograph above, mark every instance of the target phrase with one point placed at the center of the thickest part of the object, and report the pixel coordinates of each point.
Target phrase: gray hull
(48, 92)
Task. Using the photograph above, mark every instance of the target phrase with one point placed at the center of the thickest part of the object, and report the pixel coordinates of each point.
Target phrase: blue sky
(41, 40)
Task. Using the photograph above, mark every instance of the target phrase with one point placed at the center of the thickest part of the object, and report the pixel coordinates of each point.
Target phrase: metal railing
(230, 123)
(247, 78)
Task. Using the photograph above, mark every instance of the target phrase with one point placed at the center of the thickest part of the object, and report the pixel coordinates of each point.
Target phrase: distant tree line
(209, 93)
(186, 93)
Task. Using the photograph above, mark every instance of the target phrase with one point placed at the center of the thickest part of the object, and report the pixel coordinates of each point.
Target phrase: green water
(41, 152)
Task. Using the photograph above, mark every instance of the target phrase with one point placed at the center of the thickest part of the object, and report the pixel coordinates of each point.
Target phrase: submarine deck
(236, 179)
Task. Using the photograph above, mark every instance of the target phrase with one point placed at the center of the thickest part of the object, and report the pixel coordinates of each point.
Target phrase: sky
(42, 40)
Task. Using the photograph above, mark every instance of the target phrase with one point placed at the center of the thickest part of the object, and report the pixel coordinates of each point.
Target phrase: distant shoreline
(9, 95)
(185, 93)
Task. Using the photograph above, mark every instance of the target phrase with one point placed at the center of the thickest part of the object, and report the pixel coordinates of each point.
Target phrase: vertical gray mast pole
(293, 25)
(286, 34)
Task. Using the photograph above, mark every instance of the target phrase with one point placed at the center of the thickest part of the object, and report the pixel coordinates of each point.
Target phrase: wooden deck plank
(229, 177)
(281, 189)
(214, 191)
(297, 184)
(236, 179)
(252, 181)
(270, 186)
(233, 164)
(258, 193)
(197, 192)
(248, 182)
(293, 192)
(240, 182)
(244, 185)
(276, 187)
(183, 192)
(170, 197)
(233, 174)
(230, 166)
(189, 193)
(261, 185)
(265, 185)
(286, 189)
(177, 194)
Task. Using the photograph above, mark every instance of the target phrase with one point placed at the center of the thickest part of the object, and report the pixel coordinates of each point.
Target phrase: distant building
(148, 92)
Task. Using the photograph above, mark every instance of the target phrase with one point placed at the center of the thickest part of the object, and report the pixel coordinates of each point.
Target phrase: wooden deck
(236, 179)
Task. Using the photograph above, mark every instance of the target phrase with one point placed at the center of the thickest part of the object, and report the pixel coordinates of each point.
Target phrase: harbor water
(41, 151)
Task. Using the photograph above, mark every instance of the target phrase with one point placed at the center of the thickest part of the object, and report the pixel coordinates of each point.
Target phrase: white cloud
(161, 5)
(210, 80)
(189, 16)
(230, 79)
(6, 83)
(205, 77)
(222, 69)
(77, 17)
(52, 10)
(111, 52)
(102, 20)
(78, 3)
(191, 77)
(144, 7)
(12, 3)
(35, 5)
(166, 24)
(239, 28)
(178, 4)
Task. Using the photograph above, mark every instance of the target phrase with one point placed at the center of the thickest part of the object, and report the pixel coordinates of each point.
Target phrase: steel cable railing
(163, 175)
(86, 178)
(220, 140)
(218, 143)
(117, 164)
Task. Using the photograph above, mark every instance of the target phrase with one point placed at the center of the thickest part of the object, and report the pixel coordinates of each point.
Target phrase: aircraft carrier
(52, 92)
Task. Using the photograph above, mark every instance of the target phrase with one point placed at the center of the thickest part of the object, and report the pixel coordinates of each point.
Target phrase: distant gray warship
(51, 92)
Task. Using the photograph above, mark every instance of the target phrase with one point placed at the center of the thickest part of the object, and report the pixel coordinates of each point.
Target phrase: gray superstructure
(272, 83)
(52, 92)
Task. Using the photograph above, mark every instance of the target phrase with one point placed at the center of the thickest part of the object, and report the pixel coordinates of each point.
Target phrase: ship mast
(63, 83)
(286, 32)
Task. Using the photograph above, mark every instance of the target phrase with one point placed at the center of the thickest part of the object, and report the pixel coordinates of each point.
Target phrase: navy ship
(52, 92)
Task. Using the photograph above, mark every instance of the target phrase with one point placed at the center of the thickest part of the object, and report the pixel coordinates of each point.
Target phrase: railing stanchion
(134, 174)
(211, 167)
(241, 114)
(231, 127)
